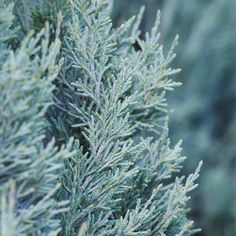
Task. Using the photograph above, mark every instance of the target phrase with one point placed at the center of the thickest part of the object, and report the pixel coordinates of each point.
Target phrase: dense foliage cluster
(205, 105)
(84, 125)
(30, 170)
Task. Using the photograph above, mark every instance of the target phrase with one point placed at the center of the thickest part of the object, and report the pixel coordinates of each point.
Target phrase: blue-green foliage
(205, 117)
(205, 105)
(29, 170)
(111, 99)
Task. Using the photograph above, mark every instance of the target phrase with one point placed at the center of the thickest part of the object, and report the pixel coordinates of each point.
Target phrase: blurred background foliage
(205, 105)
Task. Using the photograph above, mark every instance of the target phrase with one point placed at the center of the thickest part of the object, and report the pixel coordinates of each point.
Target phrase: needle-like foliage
(29, 169)
(110, 97)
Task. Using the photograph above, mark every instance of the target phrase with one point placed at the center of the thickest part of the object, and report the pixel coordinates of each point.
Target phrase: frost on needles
(120, 177)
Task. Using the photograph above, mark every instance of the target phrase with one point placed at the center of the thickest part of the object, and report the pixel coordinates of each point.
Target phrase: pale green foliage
(204, 107)
(111, 99)
(29, 170)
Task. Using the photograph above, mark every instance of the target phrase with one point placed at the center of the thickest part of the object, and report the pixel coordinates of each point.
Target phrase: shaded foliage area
(205, 105)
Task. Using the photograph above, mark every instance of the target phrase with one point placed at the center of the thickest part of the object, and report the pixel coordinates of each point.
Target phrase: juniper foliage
(205, 117)
(111, 99)
(29, 170)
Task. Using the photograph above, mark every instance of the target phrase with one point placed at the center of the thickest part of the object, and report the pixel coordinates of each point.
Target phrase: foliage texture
(111, 99)
(30, 171)
(205, 105)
